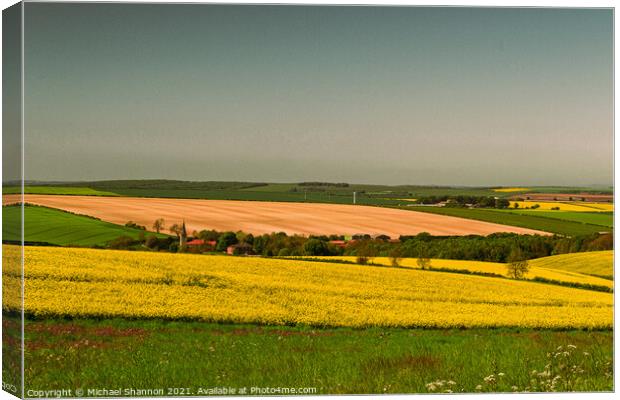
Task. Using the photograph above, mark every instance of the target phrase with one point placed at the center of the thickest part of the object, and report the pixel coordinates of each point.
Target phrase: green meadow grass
(256, 195)
(60, 190)
(605, 219)
(552, 225)
(155, 354)
(48, 225)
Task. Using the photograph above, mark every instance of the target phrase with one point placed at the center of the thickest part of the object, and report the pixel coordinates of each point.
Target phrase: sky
(385, 95)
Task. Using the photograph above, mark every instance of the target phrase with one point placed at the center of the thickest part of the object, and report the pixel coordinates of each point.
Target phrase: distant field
(570, 195)
(311, 192)
(267, 217)
(554, 225)
(63, 190)
(556, 268)
(46, 225)
(564, 206)
(605, 219)
(511, 190)
(256, 194)
(596, 263)
(274, 187)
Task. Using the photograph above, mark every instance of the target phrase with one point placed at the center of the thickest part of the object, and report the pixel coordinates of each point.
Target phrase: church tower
(183, 237)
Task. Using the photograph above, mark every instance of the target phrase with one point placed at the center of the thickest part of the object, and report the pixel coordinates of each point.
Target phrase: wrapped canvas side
(12, 210)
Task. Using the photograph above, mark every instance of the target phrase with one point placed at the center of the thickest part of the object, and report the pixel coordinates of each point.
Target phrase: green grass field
(605, 219)
(64, 190)
(553, 225)
(250, 195)
(133, 354)
(47, 225)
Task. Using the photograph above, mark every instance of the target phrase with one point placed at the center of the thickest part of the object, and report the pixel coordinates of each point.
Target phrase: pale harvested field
(265, 217)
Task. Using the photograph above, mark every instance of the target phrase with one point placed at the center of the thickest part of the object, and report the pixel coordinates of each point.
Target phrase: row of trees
(494, 247)
(462, 201)
(498, 247)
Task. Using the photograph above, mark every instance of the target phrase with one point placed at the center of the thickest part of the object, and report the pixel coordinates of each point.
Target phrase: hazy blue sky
(468, 96)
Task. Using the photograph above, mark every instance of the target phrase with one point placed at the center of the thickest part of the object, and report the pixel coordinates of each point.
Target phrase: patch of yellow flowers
(591, 262)
(564, 206)
(546, 270)
(107, 283)
(511, 189)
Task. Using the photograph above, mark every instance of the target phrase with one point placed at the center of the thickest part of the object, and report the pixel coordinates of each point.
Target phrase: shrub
(122, 242)
(131, 224)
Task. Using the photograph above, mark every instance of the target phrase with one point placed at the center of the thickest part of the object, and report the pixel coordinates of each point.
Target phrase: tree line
(495, 247)
(462, 201)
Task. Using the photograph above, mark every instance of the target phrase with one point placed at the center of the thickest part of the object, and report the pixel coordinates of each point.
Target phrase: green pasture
(605, 219)
(59, 190)
(531, 221)
(47, 225)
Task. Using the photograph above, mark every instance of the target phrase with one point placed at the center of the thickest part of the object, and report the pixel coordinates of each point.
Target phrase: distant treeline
(461, 201)
(323, 184)
(494, 247)
(165, 184)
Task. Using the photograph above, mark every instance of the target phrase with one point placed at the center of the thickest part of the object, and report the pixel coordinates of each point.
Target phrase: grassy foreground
(133, 354)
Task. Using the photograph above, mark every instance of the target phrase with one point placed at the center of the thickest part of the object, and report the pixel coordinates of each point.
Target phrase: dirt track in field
(259, 217)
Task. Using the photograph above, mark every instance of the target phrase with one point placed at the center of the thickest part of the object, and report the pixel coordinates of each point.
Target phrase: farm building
(200, 242)
(341, 243)
(239, 249)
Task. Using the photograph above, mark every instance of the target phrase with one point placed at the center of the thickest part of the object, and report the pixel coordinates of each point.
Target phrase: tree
(424, 261)
(151, 242)
(208, 235)
(226, 239)
(241, 236)
(517, 265)
(158, 225)
(396, 256)
(366, 252)
(424, 236)
(176, 229)
(131, 224)
(316, 247)
(502, 203)
(121, 242)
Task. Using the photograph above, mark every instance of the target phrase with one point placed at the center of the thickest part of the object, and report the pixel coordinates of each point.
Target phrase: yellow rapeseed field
(510, 190)
(599, 263)
(548, 270)
(565, 206)
(106, 283)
